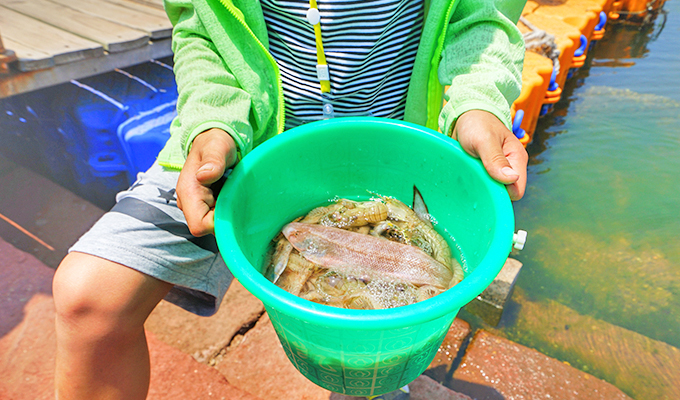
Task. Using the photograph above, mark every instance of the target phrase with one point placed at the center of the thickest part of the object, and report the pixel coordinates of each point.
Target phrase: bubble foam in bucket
(362, 352)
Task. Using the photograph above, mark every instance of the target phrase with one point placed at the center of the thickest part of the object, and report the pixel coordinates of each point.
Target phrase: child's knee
(85, 298)
(72, 296)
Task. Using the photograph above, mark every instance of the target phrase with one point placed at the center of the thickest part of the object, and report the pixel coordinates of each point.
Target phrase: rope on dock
(541, 42)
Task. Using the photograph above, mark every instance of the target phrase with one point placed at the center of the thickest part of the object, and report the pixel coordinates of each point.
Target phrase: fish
(414, 226)
(348, 214)
(368, 256)
(280, 258)
(293, 278)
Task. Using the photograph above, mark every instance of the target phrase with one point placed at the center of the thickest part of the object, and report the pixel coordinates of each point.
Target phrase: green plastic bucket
(362, 352)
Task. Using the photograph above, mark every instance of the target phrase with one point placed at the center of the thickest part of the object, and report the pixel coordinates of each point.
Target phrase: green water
(602, 206)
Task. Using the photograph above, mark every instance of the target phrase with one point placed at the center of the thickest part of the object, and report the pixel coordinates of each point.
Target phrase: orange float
(552, 95)
(517, 130)
(535, 80)
(567, 39)
(638, 11)
(613, 13)
(598, 33)
(583, 14)
(579, 57)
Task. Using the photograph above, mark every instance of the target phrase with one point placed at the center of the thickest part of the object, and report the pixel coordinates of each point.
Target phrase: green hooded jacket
(227, 79)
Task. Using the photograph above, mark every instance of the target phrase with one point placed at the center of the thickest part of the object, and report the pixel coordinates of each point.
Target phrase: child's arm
(213, 116)
(482, 62)
(209, 94)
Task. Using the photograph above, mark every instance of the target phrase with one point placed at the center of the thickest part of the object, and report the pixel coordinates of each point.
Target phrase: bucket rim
(436, 307)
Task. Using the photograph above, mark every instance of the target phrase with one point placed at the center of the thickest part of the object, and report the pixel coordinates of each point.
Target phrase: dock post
(6, 57)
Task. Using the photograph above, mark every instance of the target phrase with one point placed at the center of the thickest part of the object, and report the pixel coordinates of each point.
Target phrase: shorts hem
(113, 253)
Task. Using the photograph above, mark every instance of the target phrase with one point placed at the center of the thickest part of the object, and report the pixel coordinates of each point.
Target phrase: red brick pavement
(254, 365)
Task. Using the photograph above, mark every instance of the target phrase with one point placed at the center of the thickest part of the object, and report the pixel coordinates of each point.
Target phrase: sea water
(602, 209)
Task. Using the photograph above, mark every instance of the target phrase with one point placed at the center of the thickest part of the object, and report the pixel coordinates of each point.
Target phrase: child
(243, 69)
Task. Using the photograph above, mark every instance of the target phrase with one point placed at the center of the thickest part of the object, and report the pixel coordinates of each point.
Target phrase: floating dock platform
(45, 43)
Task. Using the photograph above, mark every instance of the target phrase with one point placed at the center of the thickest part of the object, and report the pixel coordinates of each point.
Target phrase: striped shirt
(370, 47)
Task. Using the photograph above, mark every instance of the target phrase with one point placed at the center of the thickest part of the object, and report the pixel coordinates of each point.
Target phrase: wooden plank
(34, 41)
(141, 7)
(113, 37)
(157, 27)
(28, 59)
(152, 3)
(16, 83)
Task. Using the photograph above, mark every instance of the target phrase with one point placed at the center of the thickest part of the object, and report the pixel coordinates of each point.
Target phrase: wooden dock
(55, 41)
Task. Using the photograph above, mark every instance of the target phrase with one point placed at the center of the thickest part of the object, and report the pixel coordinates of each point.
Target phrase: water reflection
(601, 276)
(621, 45)
(624, 43)
(602, 211)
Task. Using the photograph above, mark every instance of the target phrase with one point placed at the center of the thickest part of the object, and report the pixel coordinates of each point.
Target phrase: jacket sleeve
(482, 60)
(209, 94)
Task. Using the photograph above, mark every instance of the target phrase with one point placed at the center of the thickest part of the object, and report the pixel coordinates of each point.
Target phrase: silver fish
(365, 255)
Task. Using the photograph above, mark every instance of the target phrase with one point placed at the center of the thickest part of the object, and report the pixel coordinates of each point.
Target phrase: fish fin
(280, 259)
(419, 206)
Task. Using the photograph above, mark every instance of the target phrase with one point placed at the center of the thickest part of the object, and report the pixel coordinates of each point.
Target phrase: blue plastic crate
(93, 135)
(144, 135)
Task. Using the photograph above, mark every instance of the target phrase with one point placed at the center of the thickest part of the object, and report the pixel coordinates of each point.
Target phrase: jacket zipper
(282, 113)
(434, 67)
(171, 165)
(440, 40)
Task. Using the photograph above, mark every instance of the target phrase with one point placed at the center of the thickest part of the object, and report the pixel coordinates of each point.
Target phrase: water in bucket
(372, 254)
(361, 352)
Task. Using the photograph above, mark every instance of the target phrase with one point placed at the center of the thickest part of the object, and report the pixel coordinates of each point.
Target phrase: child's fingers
(196, 202)
(215, 151)
(518, 159)
(212, 151)
(483, 135)
(494, 160)
(507, 164)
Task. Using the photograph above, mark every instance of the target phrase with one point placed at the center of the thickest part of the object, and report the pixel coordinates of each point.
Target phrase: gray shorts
(146, 231)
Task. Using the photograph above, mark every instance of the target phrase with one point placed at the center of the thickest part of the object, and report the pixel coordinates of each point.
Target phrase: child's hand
(484, 136)
(212, 152)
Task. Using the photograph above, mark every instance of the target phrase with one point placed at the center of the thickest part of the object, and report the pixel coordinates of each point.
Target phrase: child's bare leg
(101, 347)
